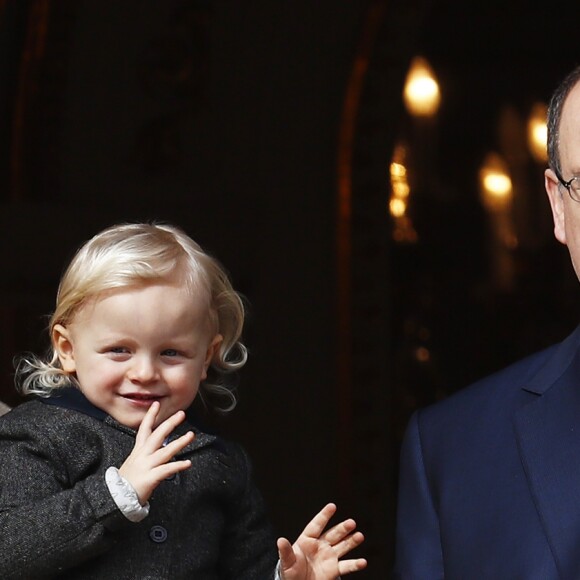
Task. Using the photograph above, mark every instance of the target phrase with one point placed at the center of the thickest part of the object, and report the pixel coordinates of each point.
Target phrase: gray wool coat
(58, 519)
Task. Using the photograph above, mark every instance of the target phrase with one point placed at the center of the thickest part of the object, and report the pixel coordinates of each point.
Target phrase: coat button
(158, 534)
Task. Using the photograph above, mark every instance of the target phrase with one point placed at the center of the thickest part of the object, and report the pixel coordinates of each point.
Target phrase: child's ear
(62, 344)
(211, 350)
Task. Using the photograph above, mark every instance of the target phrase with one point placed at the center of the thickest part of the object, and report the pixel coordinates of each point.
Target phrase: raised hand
(150, 462)
(316, 554)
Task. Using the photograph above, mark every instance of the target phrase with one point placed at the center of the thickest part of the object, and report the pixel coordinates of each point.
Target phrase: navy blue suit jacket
(490, 477)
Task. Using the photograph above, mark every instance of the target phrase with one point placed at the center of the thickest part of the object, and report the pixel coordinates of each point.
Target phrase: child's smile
(143, 399)
(133, 346)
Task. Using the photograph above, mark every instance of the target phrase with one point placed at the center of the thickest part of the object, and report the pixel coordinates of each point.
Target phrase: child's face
(133, 346)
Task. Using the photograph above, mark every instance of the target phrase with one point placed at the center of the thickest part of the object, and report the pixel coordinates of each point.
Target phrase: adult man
(490, 478)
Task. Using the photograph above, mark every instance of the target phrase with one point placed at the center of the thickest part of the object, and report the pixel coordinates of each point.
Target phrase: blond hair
(131, 254)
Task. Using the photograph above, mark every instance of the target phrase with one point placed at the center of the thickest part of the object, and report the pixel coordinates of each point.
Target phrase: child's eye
(169, 352)
(118, 349)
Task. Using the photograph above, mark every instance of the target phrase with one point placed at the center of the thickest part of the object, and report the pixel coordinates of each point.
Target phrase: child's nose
(143, 370)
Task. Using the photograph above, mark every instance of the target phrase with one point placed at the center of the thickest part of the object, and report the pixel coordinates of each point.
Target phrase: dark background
(266, 129)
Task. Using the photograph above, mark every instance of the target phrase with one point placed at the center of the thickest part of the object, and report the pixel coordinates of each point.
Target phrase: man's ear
(63, 346)
(211, 350)
(556, 197)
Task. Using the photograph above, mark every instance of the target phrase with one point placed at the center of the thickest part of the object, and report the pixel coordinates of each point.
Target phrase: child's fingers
(147, 423)
(165, 429)
(317, 524)
(286, 553)
(347, 566)
(155, 437)
(349, 543)
(169, 451)
(168, 469)
(339, 531)
(145, 469)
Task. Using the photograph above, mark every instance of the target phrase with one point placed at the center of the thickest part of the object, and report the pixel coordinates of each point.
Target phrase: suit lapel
(548, 434)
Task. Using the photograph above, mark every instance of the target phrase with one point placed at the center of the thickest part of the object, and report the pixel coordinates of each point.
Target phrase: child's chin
(131, 420)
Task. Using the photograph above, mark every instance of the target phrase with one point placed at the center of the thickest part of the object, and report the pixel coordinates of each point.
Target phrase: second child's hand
(150, 462)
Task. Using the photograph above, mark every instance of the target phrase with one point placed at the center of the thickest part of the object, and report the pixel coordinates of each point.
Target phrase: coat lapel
(201, 439)
(548, 433)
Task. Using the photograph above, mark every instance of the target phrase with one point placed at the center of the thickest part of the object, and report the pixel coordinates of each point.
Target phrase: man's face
(565, 211)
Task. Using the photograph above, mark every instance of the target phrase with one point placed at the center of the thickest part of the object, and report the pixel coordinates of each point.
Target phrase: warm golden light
(397, 207)
(497, 185)
(403, 231)
(538, 133)
(495, 182)
(398, 170)
(421, 93)
(401, 189)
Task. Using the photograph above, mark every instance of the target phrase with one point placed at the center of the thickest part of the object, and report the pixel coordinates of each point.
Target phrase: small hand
(316, 554)
(150, 462)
